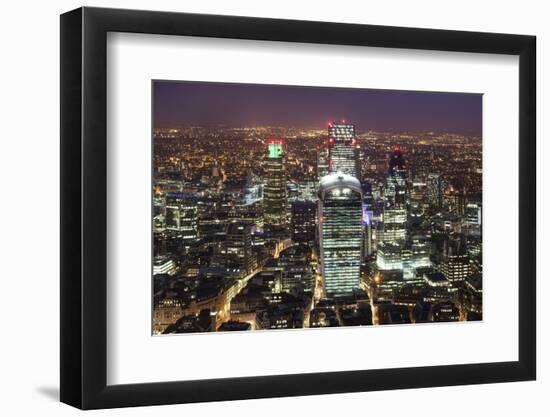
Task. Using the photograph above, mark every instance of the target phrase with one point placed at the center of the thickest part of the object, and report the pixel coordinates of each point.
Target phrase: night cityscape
(279, 207)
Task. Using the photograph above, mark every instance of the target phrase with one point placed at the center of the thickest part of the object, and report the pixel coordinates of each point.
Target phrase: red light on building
(397, 149)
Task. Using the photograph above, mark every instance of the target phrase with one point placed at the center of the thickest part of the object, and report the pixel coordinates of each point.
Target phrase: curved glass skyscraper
(340, 232)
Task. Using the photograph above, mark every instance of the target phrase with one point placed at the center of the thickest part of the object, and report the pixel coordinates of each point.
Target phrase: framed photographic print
(257, 208)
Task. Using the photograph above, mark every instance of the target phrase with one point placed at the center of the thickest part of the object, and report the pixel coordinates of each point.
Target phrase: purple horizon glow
(177, 103)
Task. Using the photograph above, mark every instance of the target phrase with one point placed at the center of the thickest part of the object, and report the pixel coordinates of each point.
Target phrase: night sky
(179, 103)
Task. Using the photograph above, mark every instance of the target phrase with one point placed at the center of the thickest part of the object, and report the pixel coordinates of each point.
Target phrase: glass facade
(303, 223)
(395, 225)
(343, 154)
(275, 186)
(435, 191)
(340, 208)
(181, 215)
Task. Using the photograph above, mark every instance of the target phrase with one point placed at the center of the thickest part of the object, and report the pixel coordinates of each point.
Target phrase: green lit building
(275, 186)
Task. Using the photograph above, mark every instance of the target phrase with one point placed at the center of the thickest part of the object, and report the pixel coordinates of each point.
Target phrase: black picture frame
(84, 207)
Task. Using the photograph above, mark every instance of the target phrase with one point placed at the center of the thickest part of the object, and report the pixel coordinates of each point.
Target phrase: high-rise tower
(182, 218)
(396, 181)
(340, 232)
(238, 247)
(304, 213)
(343, 155)
(390, 248)
(395, 209)
(322, 162)
(456, 263)
(435, 190)
(275, 186)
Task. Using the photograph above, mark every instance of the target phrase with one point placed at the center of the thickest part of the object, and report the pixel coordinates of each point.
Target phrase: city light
(268, 226)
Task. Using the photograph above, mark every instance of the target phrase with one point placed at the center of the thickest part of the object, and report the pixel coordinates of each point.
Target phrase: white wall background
(29, 209)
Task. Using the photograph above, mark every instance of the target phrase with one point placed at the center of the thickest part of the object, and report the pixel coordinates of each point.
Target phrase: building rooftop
(339, 180)
(238, 229)
(229, 326)
(436, 279)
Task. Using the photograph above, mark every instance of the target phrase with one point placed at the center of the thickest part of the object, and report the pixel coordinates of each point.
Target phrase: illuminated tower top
(275, 186)
(275, 149)
(343, 156)
(341, 133)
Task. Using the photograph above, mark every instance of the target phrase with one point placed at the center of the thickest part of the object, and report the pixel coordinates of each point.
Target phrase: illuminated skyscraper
(435, 190)
(343, 155)
(275, 186)
(389, 256)
(238, 246)
(420, 249)
(472, 220)
(253, 191)
(367, 231)
(393, 253)
(322, 162)
(457, 201)
(395, 225)
(340, 232)
(396, 181)
(472, 213)
(456, 263)
(368, 202)
(182, 216)
(394, 215)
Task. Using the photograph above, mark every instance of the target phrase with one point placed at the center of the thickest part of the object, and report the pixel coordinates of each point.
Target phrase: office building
(457, 201)
(323, 162)
(237, 248)
(340, 232)
(389, 256)
(274, 192)
(435, 189)
(343, 155)
(395, 225)
(368, 246)
(303, 221)
(254, 190)
(163, 265)
(472, 212)
(396, 181)
(420, 249)
(394, 215)
(456, 262)
(182, 217)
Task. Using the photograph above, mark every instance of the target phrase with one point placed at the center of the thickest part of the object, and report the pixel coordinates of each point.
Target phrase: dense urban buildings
(263, 227)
